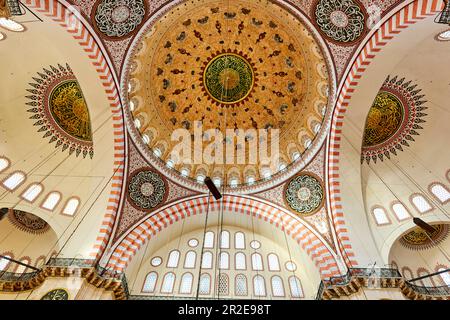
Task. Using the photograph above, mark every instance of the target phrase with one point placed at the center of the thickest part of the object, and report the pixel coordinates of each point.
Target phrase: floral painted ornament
(395, 117)
(60, 111)
(304, 194)
(146, 189)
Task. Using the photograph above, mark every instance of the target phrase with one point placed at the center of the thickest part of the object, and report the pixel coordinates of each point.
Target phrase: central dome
(241, 65)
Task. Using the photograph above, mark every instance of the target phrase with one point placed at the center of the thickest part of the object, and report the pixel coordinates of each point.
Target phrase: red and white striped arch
(314, 246)
(408, 15)
(81, 31)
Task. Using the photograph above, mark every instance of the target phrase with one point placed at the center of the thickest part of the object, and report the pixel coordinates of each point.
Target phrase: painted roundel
(228, 78)
(60, 110)
(340, 20)
(56, 294)
(394, 118)
(146, 189)
(304, 194)
(117, 19)
(418, 239)
(27, 222)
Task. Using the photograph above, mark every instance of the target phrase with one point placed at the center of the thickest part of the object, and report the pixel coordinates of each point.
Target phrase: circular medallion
(117, 19)
(290, 266)
(156, 261)
(304, 194)
(394, 118)
(228, 78)
(255, 244)
(340, 20)
(56, 294)
(146, 189)
(419, 239)
(193, 243)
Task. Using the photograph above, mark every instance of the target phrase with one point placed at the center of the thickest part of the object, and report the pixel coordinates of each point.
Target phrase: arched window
(380, 216)
(234, 182)
(51, 201)
(71, 206)
(11, 25)
(445, 276)
(222, 285)
(421, 204)
(239, 240)
(170, 163)
(307, 143)
(440, 192)
(224, 262)
(225, 239)
(427, 282)
(296, 287)
(400, 211)
(205, 284)
(200, 178)
(207, 260)
(4, 164)
(266, 173)
(217, 182)
(257, 263)
(4, 263)
(137, 123)
(32, 192)
(295, 155)
(209, 239)
(250, 180)
(14, 180)
(157, 152)
(168, 282)
(239, 261)
(274, 264)
(407, 273)
(186, 283)
(184, 172)
(174, 256)
(189, 260)
(277, 286)
(150, 282)
(20, 268)
(259, 286)
(316, 127)
(146, 139)
(240, 285)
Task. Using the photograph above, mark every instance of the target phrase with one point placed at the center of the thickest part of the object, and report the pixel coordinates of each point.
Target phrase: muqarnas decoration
(60, 111)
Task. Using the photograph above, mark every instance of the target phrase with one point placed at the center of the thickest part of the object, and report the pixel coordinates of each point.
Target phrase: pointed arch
(315, 247)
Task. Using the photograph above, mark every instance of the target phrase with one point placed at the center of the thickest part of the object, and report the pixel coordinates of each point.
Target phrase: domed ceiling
(228, 65)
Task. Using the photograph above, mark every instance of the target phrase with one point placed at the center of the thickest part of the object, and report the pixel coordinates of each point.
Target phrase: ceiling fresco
(234, 66)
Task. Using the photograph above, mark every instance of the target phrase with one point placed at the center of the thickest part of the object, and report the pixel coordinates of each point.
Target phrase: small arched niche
(26, 238)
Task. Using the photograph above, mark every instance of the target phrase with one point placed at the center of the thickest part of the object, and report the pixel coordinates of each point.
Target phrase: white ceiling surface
(21, 56)
(413, 54)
